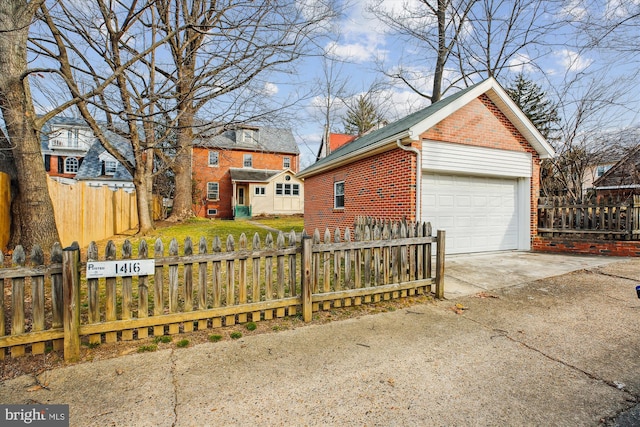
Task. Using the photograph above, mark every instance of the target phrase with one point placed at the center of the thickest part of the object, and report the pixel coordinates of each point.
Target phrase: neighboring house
(247, 171)
(469, 164)
(72, 153)
(335, 141)
(622, 179)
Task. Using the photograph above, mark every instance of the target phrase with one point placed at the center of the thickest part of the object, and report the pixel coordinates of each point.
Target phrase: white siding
(471, 160)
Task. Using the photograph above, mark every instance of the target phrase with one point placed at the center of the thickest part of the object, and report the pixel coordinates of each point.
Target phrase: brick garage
(586, 247)
(475, 137)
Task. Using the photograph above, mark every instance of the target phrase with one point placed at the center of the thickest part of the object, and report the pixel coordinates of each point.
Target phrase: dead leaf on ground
(485, 295)
(458, 308)
(35, 388)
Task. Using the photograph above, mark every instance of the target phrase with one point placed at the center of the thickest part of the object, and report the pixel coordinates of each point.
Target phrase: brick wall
(381, 186)
(586, 247)
(203, 173)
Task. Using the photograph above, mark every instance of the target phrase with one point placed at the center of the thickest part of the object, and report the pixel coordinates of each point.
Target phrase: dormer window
(110, 167)
(249, 136)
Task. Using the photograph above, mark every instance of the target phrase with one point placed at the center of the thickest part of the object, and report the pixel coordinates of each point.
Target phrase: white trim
(473, 160)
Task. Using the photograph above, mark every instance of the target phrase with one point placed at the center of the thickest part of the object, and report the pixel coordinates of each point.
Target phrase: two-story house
(247, 171)
(72, 153)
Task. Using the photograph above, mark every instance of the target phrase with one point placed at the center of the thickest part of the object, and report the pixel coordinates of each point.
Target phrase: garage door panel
(478, 213)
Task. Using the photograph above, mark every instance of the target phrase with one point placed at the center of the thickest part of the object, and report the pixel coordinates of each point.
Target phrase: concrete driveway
(524, 346)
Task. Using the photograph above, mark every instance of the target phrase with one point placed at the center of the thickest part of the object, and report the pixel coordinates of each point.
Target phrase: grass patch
(215, 338)
(236, 335)
(182, 343)
(251, 326)
(147, 348)
(163, 339)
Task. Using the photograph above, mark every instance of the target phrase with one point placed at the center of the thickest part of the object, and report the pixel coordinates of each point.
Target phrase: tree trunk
(33, 220)
(183, 200)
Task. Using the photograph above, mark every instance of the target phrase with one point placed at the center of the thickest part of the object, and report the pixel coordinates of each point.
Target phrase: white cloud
(574, 9)
(521, 63)
(270, 89)
(353, 52)
(572, 61)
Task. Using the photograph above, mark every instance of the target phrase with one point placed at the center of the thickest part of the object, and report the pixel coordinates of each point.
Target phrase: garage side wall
(381, 186)
(481, 123)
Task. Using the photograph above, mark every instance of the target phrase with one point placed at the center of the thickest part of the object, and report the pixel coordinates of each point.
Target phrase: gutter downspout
(418, 177)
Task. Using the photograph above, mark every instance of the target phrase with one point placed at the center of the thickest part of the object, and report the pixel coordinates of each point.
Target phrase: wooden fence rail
(56, 306)
(610, 218)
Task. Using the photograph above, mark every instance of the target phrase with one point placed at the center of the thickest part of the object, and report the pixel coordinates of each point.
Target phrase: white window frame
(213, 189)
(71, 165)
(216, 155)
(260, 191)
(286, 162)
(247, 160)
(279, 190)
(110, 170)
(249, 136)
(212, 212)
(338, 192)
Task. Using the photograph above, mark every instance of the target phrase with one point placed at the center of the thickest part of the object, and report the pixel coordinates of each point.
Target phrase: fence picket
(158, 287)
(231, 298)
(56, 295)
(174, 328)
(93, 294)
(268, 275)
(326, 278)
(37, 298)
(216, 277)
(110, 303)
(280, 273)
(202, 282)
(2, 292)
(127, 292)
(143, 291)
(17, 301)
(255, 285)
(242, 279)
(292, 241)
(188, 283)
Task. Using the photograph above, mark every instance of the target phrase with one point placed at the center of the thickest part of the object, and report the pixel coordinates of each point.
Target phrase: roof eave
(362, 153)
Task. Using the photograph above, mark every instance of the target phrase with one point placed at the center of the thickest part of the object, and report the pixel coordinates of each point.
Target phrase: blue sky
(565, 72)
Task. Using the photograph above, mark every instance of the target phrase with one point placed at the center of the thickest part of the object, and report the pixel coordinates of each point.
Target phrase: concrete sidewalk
(562, 350)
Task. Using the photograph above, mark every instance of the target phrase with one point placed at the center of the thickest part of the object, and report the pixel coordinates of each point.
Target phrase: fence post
(440, 265)
(307, 307)
(71, 298)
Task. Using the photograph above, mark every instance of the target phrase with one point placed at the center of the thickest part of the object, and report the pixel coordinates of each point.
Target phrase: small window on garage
(260, 191)
(338, 195)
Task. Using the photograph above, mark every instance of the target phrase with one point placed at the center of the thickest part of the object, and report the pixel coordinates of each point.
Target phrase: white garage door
(478, 213)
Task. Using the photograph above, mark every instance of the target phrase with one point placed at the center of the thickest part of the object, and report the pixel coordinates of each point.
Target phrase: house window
(286, 162)
(72, 135)
(212, 212)
(71, 165)
(212, 191)
(249, 136)
(213, 158)
(260, 191)
(110, 167)
(247, 161)
(338, 195)
(288, 189)
(602, 169)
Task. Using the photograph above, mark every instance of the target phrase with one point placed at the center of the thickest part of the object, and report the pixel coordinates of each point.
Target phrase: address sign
(120, 268)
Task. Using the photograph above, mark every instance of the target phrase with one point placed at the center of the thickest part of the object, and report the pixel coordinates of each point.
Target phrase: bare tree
(105, 48)
(32, 214)
(218, 59)
(464, 41)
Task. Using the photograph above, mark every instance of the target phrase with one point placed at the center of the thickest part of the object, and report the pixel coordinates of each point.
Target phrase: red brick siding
(53, 166)
(203, 173)
(586, 247)
(481, 123)
(381, 186)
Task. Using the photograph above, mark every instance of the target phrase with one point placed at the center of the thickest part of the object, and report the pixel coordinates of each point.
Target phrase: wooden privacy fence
(57, 306)
(612, 219)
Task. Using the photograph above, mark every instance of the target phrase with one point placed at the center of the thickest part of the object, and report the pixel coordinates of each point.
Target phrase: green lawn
(207, 228)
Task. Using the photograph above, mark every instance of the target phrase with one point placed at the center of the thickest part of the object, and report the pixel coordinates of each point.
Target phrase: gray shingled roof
(269, 139)
(91, 166)
(252, 175)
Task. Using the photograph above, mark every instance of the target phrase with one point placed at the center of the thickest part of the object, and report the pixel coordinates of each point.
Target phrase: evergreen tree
(533, 101)
(362, 115)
